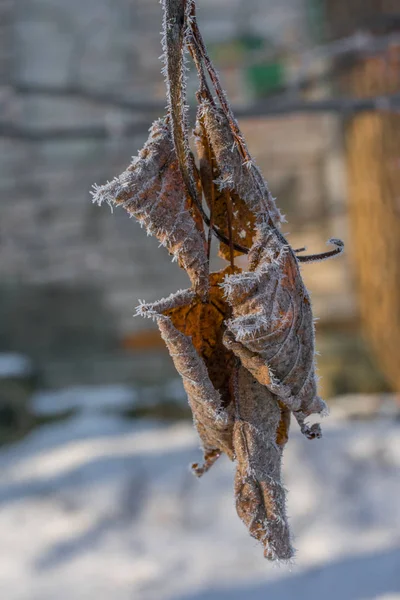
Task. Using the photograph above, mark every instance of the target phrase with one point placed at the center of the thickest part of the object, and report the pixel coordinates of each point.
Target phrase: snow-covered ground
(97, 507)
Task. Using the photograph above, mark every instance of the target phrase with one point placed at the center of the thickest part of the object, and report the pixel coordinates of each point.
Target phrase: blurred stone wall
(71, 273)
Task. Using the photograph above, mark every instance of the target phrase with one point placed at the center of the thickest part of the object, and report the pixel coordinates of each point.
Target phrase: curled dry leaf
(212, 421)
(272, 327)
(233, 413)
(193, 332)
(259, 434)
(153, 191)
(244, 179)
(230, 214)
(204, 322)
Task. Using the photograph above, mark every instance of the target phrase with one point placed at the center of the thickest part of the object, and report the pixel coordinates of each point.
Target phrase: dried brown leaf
(153, 191)
(242, 219)
(193, 332)
(212, 421)
(206, 162)
(272, 328)
(204, 322)
(260, 431)
(243, 179)
(243, 223)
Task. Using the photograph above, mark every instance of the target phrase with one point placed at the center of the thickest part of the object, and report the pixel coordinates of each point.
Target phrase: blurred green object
(265, 78)
(316, 19)
(251, 42)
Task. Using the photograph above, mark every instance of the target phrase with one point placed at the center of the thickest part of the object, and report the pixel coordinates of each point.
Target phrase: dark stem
(325, 255)
(212, 202)
(218, 89)
(230, 218)
(175, 21)
(204, 92)
(174, 31)
(174, 40)
(236, 133)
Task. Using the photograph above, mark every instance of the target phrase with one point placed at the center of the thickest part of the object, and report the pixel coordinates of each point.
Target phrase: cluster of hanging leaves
(242, 341)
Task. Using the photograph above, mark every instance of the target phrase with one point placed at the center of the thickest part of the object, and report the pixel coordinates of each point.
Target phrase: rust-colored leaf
(204, 322)
(243, 223)
(206, 160)
(193, 331)
(213, 422)
(282, 433)
(153, 191)
(242, 219)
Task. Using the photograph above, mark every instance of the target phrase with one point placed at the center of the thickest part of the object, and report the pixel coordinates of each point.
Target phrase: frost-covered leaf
(260, 432)
(272, 328)
(153, 191)
(193, 331)
(242, 223)
(204, 322)
(242, 220)
(244, 179)
(212, 421)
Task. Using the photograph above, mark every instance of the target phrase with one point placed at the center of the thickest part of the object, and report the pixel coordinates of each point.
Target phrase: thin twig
(212, 203)
(230, 218)
(218, 89)
(324, 255)
(174, 41)
(175, 15)
(204, 91)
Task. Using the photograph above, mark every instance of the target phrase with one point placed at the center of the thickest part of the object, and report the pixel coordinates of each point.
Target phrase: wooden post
(373, 158)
